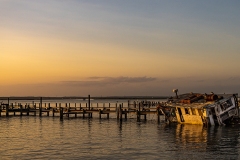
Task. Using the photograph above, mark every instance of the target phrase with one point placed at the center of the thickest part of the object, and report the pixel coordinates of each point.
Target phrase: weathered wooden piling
(61, 113)
(100, 113)
(40, 107)
(158, 115)
(125, 112)
(66, 106)
(21, 108)
(138, 116)
(89, 114)
(48, 109)
(75, 109)
(117, 111)
(27, 107)
(120, 112)
(53, 110)
(7, 109)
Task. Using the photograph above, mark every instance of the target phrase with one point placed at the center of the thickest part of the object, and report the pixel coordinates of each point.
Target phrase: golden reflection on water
(188, 133)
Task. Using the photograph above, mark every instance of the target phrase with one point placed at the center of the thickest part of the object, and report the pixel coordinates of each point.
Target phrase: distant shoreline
(86, 98)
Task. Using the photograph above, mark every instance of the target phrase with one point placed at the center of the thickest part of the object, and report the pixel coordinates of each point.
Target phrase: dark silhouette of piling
(89, 107)
(40, 107)
(61, 113)
(158, 115)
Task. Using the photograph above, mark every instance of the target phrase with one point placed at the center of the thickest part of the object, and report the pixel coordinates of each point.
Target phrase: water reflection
(50, 138)
(186, 134)
(120, 127)
(224, 140)
(218, 141)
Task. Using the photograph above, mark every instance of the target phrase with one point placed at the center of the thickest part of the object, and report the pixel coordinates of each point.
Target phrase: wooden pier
(80, 110)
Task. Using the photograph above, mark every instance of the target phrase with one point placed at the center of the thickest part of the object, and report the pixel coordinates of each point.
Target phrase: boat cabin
(206, 109)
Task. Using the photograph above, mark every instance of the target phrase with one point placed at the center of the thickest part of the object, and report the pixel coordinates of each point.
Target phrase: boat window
(229, 103)
(193, 111)
(187, 111)
(225, 105)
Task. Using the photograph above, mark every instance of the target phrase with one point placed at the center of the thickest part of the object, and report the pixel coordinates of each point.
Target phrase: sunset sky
(118, 48)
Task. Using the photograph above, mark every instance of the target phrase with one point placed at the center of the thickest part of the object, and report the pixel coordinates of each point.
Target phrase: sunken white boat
(205, 109)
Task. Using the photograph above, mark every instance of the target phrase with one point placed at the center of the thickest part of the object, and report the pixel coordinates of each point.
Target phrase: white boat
(206, 109)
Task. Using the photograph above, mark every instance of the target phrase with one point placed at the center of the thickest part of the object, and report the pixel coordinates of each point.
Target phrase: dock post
(125, 111)
(75, 109)
(100, 114)
(40, 107)
(120, 112)
(21, 107)
(59, 106)
(66, 106)
(89, 105)
(89, 102)
(32, 104)
(138, 116)
(28, 109)
(13, 106)
(7, 108)
(83, 113)
(117, 111)
(158, 114)
(61, 113)
(34, 108)
(53, 110)
(48, 109)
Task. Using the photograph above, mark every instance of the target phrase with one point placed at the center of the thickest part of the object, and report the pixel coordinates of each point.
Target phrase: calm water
(31, 137)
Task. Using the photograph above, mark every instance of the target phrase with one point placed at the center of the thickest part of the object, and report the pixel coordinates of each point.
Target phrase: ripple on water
(49, 138)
